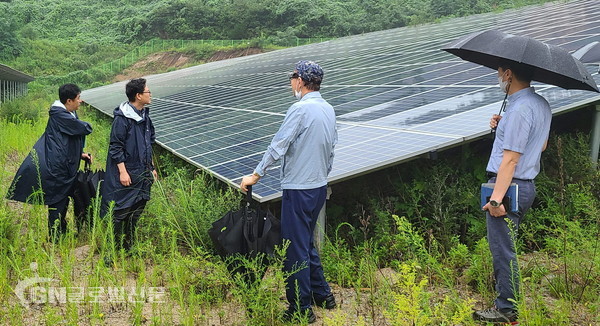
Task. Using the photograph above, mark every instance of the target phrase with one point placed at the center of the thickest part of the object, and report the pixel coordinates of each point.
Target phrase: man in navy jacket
(53, 163)
(129, 168)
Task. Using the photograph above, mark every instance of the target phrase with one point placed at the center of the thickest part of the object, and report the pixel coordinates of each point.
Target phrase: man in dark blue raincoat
(129, 168)
(53, 163)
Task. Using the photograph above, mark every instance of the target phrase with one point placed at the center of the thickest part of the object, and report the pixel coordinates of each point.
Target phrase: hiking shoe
(493, 315)
(292, 314)
(327, 302)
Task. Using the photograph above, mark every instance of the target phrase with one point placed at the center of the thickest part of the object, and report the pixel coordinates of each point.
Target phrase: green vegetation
(97, 21)
(395, 255)
(100, 24)
(88, 42)
(409, 250)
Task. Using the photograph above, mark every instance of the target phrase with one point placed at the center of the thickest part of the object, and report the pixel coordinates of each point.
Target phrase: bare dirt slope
(167, 61)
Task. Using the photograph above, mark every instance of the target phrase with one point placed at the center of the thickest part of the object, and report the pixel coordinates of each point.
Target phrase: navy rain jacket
(58, 153)
(131, 140)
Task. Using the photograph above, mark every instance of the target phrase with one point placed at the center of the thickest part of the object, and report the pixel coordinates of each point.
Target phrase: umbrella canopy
(588, 53)
(552, 64)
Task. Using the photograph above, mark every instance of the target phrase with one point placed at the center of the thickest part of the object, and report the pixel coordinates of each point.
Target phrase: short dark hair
(134, 87)
(68, 92)
(521, 71)
(313, 84)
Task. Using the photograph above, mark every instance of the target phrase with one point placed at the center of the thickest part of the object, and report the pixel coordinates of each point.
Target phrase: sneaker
(493, 315)
(303, 315)
(327, 302)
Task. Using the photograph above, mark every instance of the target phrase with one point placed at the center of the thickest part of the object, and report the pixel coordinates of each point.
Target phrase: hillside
(277, 21)
(168, 61)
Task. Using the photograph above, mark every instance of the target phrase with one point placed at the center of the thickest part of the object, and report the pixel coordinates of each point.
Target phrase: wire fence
(154, 46)
(158, 45)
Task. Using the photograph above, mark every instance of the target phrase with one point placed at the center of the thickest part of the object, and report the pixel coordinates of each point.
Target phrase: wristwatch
(256, 174)
(494, 203)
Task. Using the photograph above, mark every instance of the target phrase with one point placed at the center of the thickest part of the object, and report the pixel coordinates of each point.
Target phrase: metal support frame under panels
(13, 83)
(320, 227)
(10, 90)
(595, 138)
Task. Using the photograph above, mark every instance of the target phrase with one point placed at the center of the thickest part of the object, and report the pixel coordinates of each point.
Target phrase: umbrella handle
(249, 195)
(502, 108)
(88, 165)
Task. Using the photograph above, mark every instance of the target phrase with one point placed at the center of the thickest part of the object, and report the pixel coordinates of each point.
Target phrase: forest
(134, 22)
(408, 250)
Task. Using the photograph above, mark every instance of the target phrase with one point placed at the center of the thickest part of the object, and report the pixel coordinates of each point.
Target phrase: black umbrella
(247, 231)
(85, 189)
(552, 64)
(589, 53)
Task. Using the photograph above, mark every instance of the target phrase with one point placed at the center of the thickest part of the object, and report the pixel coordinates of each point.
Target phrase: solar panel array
(396, 94)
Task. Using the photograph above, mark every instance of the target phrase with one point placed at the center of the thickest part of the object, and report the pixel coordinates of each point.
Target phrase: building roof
(8, 73)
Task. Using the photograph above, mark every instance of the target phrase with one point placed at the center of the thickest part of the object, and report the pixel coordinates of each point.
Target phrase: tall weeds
(395, 256)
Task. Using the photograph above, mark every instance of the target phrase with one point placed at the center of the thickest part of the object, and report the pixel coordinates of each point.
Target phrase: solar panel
(396, 94)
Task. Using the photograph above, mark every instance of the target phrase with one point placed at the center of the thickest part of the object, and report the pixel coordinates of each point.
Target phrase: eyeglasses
(293, 75)
(149, 92)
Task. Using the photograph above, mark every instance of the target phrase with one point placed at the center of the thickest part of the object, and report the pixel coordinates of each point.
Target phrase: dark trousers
(299, 212)
(501, 237)
(124, 223)
(56, 215)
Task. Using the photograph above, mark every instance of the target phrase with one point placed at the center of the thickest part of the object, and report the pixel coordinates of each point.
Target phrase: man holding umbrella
(521, 136)
(304, 144)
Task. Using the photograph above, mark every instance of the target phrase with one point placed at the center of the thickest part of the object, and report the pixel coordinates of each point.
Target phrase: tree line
(136, 21)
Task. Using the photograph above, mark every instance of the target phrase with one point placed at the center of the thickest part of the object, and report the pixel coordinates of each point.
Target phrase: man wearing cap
(304, 145)
(521, 137)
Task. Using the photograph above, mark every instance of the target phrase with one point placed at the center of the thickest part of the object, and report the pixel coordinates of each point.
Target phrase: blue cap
(309, 71)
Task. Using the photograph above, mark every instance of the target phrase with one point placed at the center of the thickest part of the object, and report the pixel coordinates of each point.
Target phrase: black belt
(493, 175)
